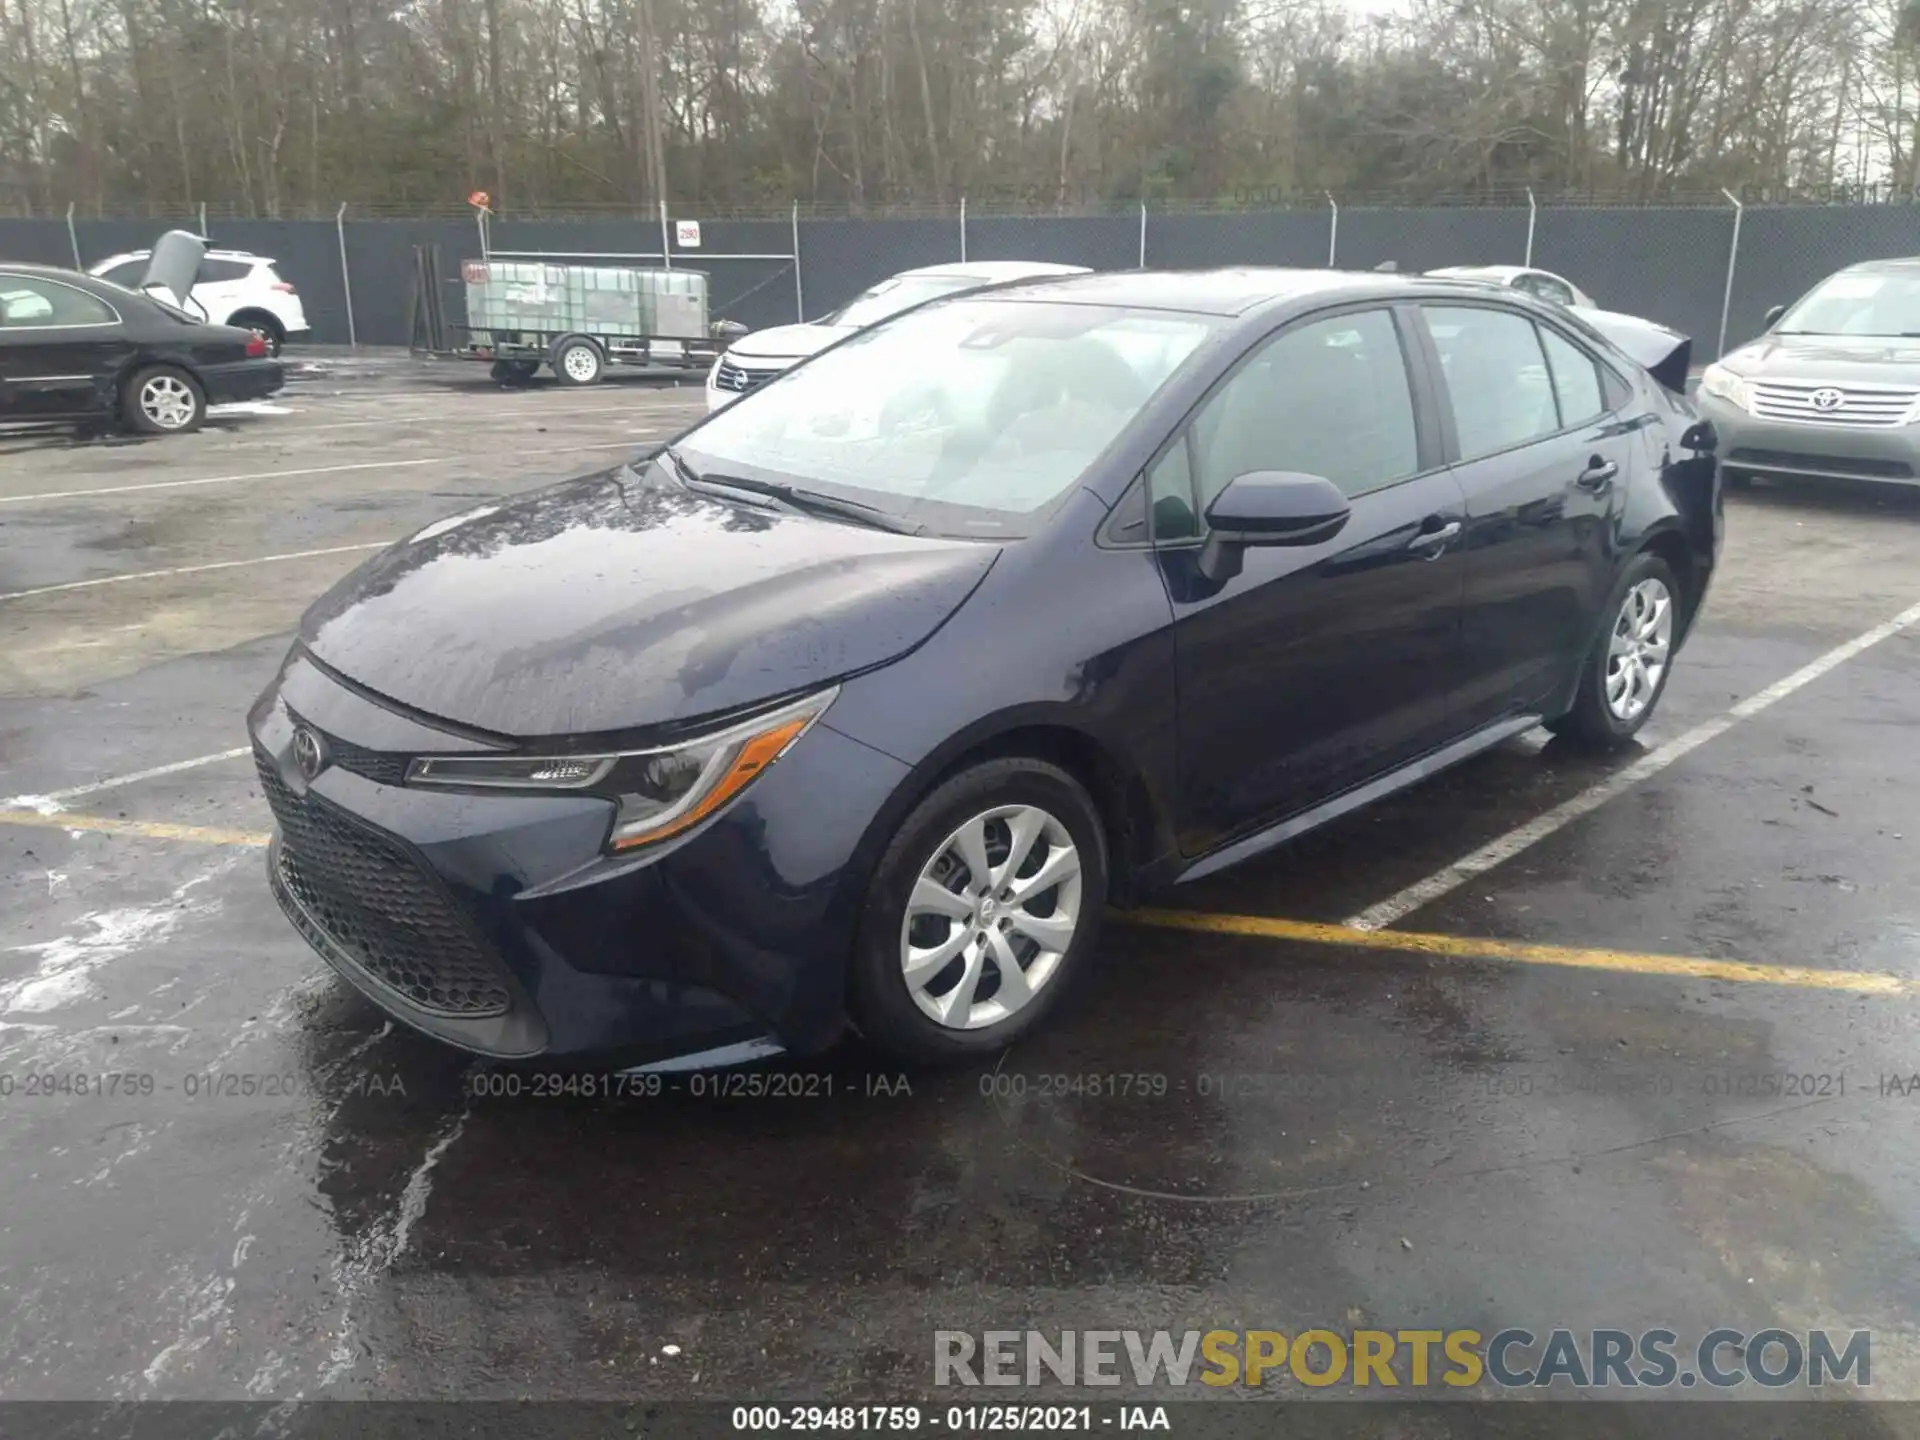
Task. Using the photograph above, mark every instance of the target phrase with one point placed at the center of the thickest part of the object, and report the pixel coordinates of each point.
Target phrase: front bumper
(1750, 445)
(497, 923)
(242, 380)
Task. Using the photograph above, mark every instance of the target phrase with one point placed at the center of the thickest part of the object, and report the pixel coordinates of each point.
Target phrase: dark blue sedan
(861, 701)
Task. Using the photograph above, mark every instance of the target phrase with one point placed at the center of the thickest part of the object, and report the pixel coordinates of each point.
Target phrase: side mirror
(1700, 437)
(727, 331)
(1269, 507)
(1774, 314)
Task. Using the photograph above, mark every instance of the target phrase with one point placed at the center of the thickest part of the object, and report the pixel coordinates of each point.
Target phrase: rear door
(1542, 460)
(1318, 666)
(59, 348)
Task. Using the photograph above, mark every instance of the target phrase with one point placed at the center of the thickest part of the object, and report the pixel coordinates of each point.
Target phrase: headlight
(659, 792)
(713, 375)
(1721, 383)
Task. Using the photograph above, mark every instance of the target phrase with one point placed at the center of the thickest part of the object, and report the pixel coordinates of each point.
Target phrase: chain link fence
(1676, 264)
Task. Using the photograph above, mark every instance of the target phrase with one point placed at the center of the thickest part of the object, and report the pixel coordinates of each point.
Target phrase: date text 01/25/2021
(955, 1419)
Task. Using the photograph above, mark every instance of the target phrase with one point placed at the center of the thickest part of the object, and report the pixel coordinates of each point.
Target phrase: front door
(1543, 462)
(58, 347)
(1316, 667)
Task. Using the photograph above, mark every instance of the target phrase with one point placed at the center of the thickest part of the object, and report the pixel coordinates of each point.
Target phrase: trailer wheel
(578, 362)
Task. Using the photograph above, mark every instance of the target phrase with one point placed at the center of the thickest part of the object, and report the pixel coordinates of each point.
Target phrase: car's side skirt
(1412, 773)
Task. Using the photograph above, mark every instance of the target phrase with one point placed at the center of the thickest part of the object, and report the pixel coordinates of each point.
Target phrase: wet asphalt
(227, 1177)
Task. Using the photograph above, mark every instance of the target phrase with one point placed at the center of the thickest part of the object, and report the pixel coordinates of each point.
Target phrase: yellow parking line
(1576, 957)
(145, 829)
(1459, 947)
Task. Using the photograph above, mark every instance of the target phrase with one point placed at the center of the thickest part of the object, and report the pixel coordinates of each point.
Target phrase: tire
(986, 801)
(578, 362)
(163, 400)
(514, 372)
(1602, 723)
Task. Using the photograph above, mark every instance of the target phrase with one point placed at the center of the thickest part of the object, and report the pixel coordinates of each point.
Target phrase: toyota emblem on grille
(1828, 399)
(308, 754)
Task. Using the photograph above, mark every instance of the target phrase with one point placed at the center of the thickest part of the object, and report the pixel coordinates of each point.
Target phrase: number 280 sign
(686, 234)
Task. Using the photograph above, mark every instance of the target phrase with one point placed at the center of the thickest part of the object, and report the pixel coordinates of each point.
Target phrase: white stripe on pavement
(227, 480)
(1497, 852)
(193, 569)
(52, 799)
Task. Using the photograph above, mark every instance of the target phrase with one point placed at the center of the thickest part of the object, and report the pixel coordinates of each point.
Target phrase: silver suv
(1832, 390)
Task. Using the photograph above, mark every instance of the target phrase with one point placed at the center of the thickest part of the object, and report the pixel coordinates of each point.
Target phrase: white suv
(233, 287)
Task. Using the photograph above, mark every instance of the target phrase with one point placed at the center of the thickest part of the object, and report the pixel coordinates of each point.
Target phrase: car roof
(1891, 263)
(1234, 290)
(991, 271)
(49, 272)
(211, 254)
(1491, 272)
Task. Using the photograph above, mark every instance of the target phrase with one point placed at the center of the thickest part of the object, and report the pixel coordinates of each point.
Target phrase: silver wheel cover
(167, 401)
(990, 917)
(1638, 649)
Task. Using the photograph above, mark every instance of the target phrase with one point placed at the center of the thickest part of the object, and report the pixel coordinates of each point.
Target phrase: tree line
(287, 107)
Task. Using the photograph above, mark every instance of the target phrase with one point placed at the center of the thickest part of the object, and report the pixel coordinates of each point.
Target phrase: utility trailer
(525, 312)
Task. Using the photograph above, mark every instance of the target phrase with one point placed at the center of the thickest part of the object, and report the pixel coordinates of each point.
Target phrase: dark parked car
(75, 347)
(846, 706)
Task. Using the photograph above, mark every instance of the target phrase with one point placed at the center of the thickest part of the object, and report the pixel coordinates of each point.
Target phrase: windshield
(1857, 305)
(890, 297)
(966, 417)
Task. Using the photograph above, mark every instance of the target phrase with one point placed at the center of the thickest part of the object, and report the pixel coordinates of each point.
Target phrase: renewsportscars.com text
(1412, 1359)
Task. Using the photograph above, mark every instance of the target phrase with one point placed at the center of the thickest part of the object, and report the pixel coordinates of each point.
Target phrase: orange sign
(479, 199)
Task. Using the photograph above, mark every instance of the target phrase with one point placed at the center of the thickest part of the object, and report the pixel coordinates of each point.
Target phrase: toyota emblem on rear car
(1828, 399)
(308, 753)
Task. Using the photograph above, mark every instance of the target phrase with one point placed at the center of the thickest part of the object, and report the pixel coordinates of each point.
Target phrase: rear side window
(216, 272)
(1576, 380)
(1497, 378)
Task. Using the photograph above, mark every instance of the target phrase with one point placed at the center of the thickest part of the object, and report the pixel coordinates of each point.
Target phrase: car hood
(618, 602)
(1892, 359)
(786, 342)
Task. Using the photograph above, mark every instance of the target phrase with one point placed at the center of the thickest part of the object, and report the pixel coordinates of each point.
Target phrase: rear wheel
(578, 362)
(164, 400)
(1624, 676)
(984, 912)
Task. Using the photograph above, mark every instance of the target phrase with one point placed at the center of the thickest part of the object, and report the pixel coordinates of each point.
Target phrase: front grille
(739, 379)
(383, 766)
(372, 900)
(1817, 403)
(1820, 464)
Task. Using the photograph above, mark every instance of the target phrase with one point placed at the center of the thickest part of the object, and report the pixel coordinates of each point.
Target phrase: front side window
(1497, 377)
(44, 304)
(1328, 398)
(966, 417)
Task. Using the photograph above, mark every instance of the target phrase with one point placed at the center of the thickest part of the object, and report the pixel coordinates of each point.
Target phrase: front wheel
(1623, 678)
(578, 362)
(984, 911)
(163, 400)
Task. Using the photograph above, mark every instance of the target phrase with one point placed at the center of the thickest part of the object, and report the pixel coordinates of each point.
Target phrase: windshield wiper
(808, 502)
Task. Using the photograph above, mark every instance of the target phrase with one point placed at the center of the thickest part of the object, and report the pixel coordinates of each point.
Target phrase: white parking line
(539, 414)
(192, 569)
(52, 799)
(1497, 852)
(228, 479)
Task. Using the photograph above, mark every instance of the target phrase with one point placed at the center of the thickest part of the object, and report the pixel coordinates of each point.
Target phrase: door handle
(1598, 474)
(1435, 540)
